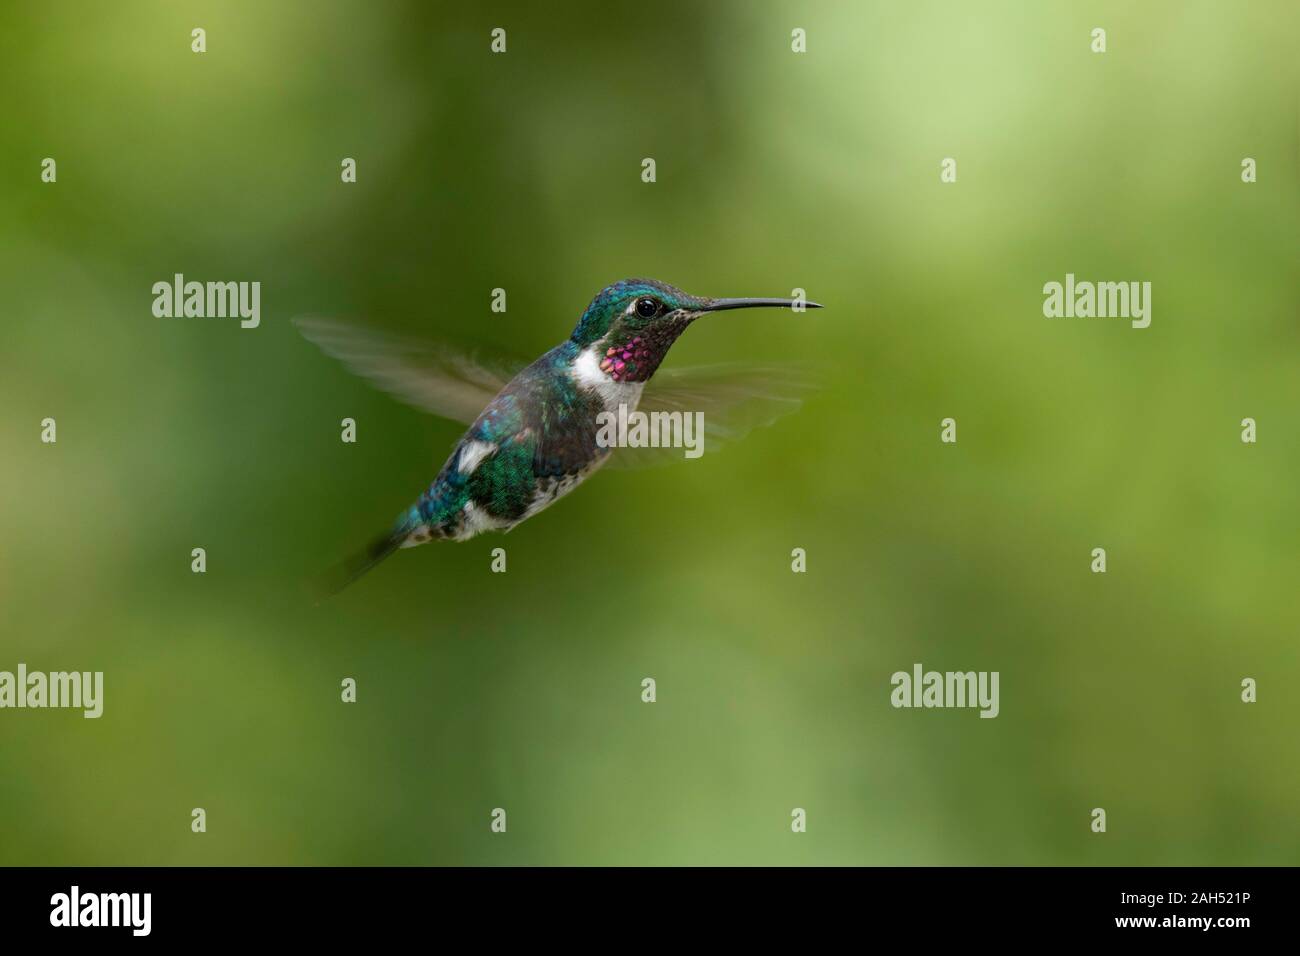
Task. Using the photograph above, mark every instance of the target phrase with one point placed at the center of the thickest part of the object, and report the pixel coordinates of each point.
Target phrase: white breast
(587, 373)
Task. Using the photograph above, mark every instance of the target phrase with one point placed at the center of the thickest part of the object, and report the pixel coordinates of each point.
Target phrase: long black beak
(717, 305)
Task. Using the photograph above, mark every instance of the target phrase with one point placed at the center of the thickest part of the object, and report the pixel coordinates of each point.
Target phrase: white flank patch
(587, 373)
(476, 521)
(472, 454)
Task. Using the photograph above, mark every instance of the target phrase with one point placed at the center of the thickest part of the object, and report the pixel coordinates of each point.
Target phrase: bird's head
(633, 323)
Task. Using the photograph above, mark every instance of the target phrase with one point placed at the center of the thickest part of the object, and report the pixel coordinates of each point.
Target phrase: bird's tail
(348, 570)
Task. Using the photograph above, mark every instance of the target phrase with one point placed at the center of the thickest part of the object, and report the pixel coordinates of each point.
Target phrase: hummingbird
(532, 438)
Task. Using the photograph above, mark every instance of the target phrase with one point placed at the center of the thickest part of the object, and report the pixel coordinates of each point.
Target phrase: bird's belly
(473, 512)
(551, 490)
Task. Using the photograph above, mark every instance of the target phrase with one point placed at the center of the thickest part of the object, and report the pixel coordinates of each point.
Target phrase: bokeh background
(775, 170)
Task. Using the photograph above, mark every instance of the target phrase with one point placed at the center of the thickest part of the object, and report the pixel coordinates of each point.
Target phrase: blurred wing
(429, 377)
(734, 398)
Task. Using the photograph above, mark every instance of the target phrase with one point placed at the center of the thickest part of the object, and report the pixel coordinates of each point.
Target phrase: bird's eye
(647, 307)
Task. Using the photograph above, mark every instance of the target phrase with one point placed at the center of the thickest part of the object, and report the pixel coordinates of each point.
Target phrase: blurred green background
(775, 170)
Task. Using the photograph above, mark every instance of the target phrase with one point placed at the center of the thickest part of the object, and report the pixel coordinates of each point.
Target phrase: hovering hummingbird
(533, 438)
